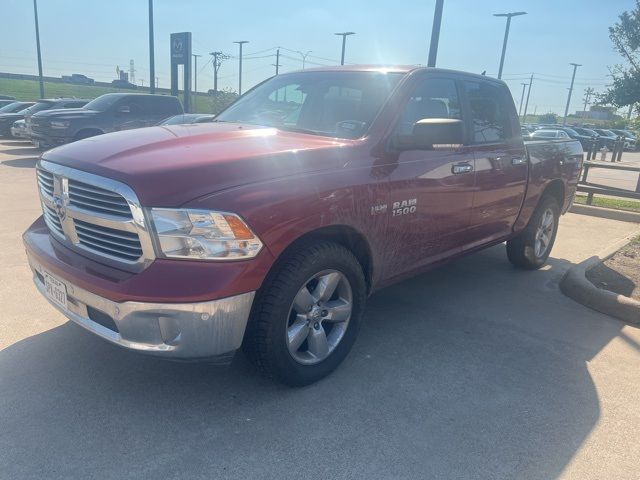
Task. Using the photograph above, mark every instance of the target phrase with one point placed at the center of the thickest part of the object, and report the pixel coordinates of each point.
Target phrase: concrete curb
(610, 213)
(575, 285)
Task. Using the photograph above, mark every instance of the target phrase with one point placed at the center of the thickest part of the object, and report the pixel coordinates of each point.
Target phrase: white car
(19, 129)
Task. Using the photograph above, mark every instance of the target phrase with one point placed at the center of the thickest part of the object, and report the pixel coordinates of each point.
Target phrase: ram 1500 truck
(269, 227)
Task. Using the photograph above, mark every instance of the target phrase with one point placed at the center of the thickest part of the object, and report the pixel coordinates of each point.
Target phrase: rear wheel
(531, 248)
(307, 315)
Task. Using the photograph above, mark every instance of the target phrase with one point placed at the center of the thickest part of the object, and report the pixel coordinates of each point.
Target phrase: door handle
(518, 160)
(459, 168)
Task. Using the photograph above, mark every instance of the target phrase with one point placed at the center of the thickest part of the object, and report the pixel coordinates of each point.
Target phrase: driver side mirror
(429, 132)
(124, 109)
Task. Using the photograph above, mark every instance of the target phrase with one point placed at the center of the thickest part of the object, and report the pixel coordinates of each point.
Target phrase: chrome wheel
(544, 233)
(319, 317)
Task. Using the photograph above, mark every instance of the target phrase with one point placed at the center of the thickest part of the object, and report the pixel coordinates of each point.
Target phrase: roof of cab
(395, 69)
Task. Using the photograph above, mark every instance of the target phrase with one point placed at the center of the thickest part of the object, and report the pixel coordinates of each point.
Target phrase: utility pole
(152, 62)
(344, 36)
(35, 13)
(524, 85)
(587, 96)
(240, 43)
(304, 57)
(526, 104)
(195, 72)
(142, 82)
(435, 33)
(277, 64)
(573, 77)
(218, 58)
(506, 35)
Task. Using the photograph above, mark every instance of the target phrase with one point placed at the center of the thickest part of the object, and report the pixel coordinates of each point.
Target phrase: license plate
(55, 290)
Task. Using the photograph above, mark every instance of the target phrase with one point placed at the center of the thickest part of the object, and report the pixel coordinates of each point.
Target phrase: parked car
(108, 113)
(7, 97)
(78, 79)
(549, 133)
(119, 83)
(585, 140)
(54, 104)
(14, 107)
(630, 140)
(19, 129)
(187, 118)
(270, 226)
(606, 137)
(4, 103)
(6, 120)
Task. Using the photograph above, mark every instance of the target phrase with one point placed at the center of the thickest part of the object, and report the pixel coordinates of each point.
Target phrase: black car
(585, 140)
(7, 97)
(630, 140)
(607, 137)
(4, 103)
(14, 107)
(108, 113)
(7, 119)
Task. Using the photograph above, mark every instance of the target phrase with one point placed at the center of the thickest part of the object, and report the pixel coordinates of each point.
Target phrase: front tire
(531, 248)
(307, 314)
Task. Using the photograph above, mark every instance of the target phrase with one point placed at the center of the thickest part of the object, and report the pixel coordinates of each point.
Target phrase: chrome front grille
(96, 199)
(45, 181)
(96, 216)
(108, 240)
(52, 220)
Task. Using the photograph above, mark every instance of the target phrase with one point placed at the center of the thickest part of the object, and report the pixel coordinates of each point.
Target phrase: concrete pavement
(473, 370)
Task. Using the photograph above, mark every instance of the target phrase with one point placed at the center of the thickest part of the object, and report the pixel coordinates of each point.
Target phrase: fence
(593, 188)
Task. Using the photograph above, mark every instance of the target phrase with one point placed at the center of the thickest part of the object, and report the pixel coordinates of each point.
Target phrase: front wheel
(307, 315)
(531, 248)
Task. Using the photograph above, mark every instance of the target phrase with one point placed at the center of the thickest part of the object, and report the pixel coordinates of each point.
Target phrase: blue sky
(92, 37)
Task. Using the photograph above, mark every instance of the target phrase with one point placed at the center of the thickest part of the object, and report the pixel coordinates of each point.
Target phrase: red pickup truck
(269, 227)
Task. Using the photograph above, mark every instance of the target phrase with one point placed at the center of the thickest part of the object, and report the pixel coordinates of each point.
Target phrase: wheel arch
(555, 189)
(345, 235)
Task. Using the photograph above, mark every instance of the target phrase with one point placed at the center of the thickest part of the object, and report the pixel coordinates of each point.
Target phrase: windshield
(335, 104)
(181, 119)
(571, 131)
(37, 107)
(102, 103)
(10, 108)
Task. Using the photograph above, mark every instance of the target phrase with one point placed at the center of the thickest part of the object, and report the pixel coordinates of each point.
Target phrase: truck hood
(168, 166)
(63, 114)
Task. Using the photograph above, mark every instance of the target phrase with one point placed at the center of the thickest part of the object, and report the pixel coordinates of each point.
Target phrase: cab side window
(489, 115)
(433, 98)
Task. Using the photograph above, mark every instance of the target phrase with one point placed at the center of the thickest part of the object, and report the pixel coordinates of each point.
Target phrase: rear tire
(531, 248)
(307, 314)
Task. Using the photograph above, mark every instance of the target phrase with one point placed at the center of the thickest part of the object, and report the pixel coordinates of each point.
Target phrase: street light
(240, 43)
(344, 36)
(304, 56)
(573, 77)
(506, 35)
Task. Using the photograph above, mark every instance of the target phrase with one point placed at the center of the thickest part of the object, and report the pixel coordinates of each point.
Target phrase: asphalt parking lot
(473, 370)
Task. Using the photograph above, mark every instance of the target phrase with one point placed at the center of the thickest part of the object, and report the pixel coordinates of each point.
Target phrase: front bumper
(47, 141)
(176, 330)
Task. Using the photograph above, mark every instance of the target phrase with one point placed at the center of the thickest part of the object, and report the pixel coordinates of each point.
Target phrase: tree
(625, 35)
(548, 118)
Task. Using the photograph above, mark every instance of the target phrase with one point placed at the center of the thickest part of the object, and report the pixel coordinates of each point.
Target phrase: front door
(431, 191)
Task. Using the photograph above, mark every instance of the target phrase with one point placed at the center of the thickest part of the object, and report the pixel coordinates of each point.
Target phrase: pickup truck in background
(108, 113)
(269, 227)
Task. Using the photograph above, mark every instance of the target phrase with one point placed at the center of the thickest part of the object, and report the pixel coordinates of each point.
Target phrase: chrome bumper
(176, 330)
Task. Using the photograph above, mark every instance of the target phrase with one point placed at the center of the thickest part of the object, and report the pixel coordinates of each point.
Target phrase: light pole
(526, 104)
(344, 36)
(152, 63)
(524, 85)
(435, 34)
(35, 13)
(195, 72)
(506, 35)
(240, 43)
(573, 77)
(304, 57)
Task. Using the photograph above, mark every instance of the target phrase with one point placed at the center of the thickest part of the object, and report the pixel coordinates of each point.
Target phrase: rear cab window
(492, 118)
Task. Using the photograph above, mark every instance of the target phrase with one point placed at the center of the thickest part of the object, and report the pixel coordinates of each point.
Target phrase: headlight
(203, 235)
(60, 124)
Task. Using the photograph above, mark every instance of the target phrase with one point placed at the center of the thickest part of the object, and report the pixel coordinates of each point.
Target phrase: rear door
(431, 191)
(501, 162)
